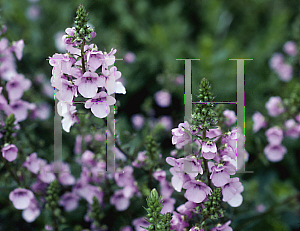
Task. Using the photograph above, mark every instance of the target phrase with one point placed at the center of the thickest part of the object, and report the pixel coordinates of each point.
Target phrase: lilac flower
(285, 72)
(168, 205)
(180, 135)
(274, 135)
(138, 222)
(33, 164)
(186, 208)
(159, 175)
(209, 150)
(166, 189)
(126, 228)
(232, 192)
(88, 158)
(69, 201)
(140, 160)
(32, 211)
(179, 80)
(42, 111)
(17, 47)
(9, 152)
(99, 104)
(292, 128)
(258, 121)
(178, 222)
(21, 198)
(129, 57)
(178, 179)
(119, 200)
(260, 208)
(19, 109)
(166, 121)
(70, 117)
(126, 178)
(275, 153)
(275, 106)
(65, 177)
(16, 86)
(230, 117)
(276, 61)
(46, 174)
(219, 176)
(224, 227)
(196, 190)
(163, 98)
(88, 84)
(290, 48)
(137, 121)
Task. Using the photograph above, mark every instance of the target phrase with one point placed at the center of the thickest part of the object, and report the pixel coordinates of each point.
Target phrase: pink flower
(163, 98)
(9, 152)
(20, 109)
(129, 57)
(258, 121)
(21, 198)
(196, 191)
(275, 106)
(179, 80)
(88, 84)
(17, 47)
(69, 201)
(275, 153)
(230, 117)
(32, 211)
(232, 192)
(177, 222)
(33, 12)
(119, 200)
(209, 150)
(274, 135)
(159, 175)
(168, 205)
(180, 135)
(166, 121)
(276, 61)
(285, 72)
(290, 48)
(292, 128)
(219, 176)
(224, 227)
(16, 86)
(99, 104)
(33, 164)
(138, 222)
(137, 121)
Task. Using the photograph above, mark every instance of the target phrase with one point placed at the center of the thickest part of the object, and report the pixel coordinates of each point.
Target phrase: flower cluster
(285, 113)
(283, 69)
(75, 73)
(205, 174)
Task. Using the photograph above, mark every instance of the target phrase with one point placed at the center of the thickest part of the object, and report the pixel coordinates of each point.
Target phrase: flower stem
(82, 57)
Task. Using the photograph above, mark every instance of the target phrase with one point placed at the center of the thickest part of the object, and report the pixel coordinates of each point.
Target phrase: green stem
(54, 220)
(13, 175)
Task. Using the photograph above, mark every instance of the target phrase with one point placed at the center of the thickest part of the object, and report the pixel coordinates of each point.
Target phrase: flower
(69, 201)
(180, 135)
(258, 121)
(275, 106)
(9, 152)
(99, 104)
(232, 192)
(219, 176)
(21, 198)
(196, 191)
(230, 117)
(34, 164)
(163, 98)
(17, 47)
(129, 57)
(137, 121)
(119, 200)
(16, 86)
(224, 227)
(290, 48)
(32, 212)
(275, 153)
(285, 72)
(274, 135)
(88, 84)
(209, 150)
(276, 61)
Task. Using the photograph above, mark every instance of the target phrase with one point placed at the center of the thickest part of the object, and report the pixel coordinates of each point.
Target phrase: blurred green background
(158, 32)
